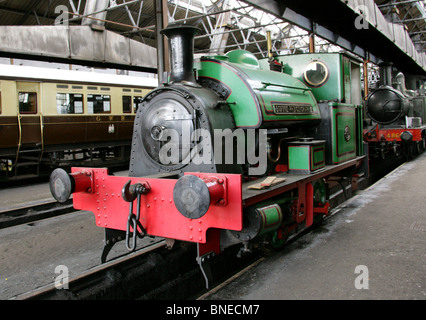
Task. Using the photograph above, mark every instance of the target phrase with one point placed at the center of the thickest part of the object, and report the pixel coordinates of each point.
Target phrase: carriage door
(30, 138)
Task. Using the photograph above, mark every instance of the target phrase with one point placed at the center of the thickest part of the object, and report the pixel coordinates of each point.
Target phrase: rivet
(190, 237)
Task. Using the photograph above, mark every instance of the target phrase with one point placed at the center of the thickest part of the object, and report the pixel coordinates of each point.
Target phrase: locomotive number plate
(292, 109)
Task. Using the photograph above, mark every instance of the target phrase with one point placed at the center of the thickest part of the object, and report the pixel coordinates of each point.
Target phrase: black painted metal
(181, 49)
(386, 105)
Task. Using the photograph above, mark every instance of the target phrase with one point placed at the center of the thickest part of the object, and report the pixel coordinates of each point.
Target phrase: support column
(161, 21)
(95, 6)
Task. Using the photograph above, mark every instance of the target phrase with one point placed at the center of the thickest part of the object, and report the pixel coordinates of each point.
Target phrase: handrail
(20, 137)
(267, 84)
(41, 136)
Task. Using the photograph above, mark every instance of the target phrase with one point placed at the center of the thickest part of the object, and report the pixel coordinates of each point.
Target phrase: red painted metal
(212, 245)
(325, 210)
(83, 180)
(391, 134)
(217, 188)
(159, 215)
(309, 204)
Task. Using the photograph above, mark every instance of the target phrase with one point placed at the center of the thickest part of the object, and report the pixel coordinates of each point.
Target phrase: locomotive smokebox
(386, 105)
(181, 49)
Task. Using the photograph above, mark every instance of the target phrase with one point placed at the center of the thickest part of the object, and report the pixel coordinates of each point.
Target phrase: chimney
(385, 70)
(181, 51)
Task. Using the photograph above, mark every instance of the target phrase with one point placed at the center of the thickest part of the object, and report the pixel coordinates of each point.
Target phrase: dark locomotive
(229, 152)
(397, 117)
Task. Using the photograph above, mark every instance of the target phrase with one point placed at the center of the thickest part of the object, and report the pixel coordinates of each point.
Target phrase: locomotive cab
(335, 81)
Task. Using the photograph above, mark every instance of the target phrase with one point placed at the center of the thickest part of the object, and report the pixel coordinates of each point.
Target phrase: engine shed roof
(225, 24)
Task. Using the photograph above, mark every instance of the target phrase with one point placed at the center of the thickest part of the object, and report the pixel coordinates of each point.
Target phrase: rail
(32, 212)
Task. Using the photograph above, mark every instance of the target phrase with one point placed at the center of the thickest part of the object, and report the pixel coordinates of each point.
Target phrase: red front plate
(159, 215)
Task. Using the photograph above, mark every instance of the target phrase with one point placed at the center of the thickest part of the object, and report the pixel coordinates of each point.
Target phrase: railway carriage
(56, 117)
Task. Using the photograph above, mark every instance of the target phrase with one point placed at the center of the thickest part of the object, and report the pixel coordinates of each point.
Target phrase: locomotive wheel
(320, 197)
(419, 146)
(279, 238)
(409, 151)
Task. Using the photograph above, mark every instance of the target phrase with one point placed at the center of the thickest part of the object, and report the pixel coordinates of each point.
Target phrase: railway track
(153, 272)
(34, 211)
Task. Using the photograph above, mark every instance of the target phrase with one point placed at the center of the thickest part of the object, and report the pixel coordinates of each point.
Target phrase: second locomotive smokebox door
(338, 129)
(306, 156)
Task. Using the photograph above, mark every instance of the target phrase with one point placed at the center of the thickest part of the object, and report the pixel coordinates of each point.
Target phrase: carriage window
(127, 104)
(137, 102)
(27, 102)
(69, 103)
(316, 74)
(97, 103)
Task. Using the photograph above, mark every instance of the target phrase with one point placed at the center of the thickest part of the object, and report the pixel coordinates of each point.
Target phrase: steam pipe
(269, 43)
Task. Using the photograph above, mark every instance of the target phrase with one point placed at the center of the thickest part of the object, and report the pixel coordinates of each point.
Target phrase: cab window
(316, 74)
